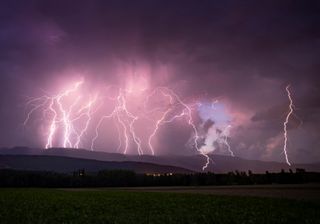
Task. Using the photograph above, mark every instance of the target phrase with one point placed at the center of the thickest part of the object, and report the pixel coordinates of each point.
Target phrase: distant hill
(219, 164)
(68, 165)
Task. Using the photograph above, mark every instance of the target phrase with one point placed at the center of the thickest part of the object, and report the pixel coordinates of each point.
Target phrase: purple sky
(241, 53)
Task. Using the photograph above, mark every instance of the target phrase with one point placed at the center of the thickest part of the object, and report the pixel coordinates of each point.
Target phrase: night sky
(229, 60)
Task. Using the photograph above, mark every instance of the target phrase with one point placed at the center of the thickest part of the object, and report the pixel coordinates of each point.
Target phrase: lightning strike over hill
(60, 111)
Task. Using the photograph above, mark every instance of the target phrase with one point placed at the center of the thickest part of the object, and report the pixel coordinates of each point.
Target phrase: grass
(57, 206)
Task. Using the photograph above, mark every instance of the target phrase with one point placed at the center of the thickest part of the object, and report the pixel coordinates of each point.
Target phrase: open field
(113, 206)
(294, 191)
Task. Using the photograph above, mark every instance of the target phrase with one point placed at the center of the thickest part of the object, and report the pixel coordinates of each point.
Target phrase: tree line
(127, 178)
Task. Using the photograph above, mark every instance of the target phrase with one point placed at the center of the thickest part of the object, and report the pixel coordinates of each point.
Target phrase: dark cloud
(243, 52)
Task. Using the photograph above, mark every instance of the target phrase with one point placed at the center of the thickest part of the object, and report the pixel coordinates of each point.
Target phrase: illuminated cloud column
(215, 127)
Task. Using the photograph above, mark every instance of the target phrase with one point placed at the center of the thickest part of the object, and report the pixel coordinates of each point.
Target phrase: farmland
(126, 206)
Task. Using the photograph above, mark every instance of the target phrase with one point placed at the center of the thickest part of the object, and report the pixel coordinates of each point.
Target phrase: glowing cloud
(218, 131)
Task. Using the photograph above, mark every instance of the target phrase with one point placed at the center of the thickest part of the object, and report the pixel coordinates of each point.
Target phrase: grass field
(111, 206)
(290, 191)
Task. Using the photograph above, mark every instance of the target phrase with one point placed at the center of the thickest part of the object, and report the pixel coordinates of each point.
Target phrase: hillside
(67, 164)
(219, 164)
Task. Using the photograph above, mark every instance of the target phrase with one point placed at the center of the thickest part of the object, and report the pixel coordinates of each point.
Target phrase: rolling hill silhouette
(67, 165)
(144, 163)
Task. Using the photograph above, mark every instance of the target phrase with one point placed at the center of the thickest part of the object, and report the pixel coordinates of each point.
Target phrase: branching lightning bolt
(188, 112)
(88, 114)
(62, 115)
(126, 120)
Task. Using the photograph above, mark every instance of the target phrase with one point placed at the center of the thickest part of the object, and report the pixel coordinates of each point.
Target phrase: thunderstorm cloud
(228, 60)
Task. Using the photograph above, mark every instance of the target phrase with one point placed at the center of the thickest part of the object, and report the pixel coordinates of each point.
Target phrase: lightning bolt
(126, 120)
(66, 113)
(61, 115)
(158, 123)
(123, 107)
(187, 112)
(53, 126)
(88, 114)
(195, 131)
(285, 134)
(225, 139)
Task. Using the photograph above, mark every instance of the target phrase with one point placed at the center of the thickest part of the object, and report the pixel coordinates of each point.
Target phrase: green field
(111, 206)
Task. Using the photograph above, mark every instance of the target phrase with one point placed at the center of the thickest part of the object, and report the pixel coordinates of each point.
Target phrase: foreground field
(110, 206)
(293, 191)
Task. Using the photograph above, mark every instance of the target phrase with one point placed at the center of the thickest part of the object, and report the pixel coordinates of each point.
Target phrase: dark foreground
(290, 191)
(111, 206)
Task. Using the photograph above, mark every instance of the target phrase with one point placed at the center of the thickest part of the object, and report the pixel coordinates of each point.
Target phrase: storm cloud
(241, 53)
